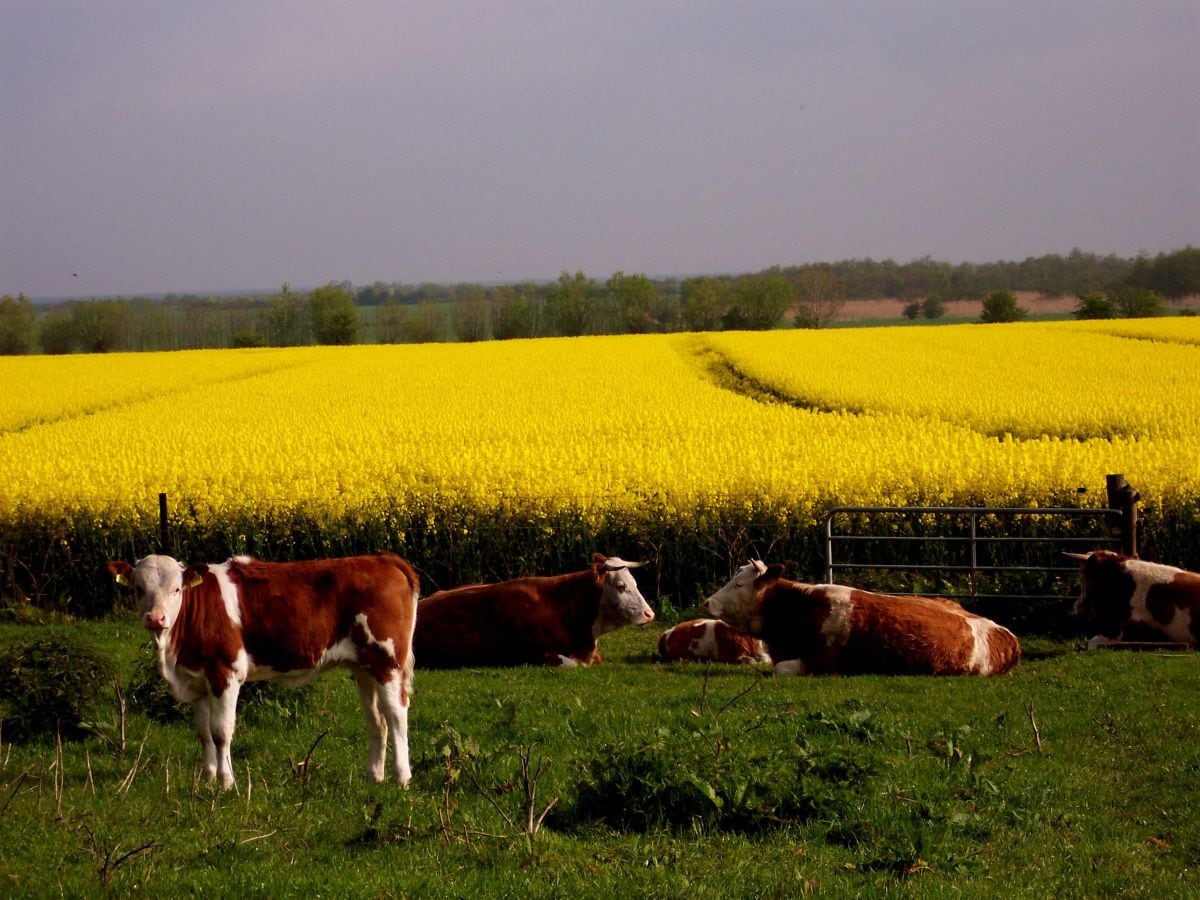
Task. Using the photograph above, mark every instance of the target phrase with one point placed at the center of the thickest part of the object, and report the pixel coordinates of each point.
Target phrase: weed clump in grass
(51, 683)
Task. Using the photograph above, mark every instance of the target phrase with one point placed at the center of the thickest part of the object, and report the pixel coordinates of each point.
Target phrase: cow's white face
(621, 603)
(157, 583)
(735, 603)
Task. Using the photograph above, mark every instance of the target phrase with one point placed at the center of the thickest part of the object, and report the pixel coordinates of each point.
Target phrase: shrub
(52, 682)
(933, 307)
(912, 310)
(1095, 306)
(1001, 306)
(1138, 303)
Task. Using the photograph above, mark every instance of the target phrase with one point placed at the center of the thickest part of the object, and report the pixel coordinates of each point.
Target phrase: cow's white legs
(203, 715)
(377, 727)
(223, 718)
(395, 710)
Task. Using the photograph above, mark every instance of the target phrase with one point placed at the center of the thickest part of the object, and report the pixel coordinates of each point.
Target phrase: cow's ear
(120, 571)
(759, 566)
(194, 574)
(773, 573)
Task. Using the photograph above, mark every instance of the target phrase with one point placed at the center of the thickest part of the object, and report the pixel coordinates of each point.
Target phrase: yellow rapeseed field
(611, 426)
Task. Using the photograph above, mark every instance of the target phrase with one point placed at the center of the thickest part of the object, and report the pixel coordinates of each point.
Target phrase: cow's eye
(137, 590)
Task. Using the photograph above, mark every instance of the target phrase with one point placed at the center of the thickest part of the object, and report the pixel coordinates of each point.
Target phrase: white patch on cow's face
(735, 602)
(621, 603)
(158, 590)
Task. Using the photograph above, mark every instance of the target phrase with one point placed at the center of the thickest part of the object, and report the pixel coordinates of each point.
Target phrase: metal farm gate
(1004, 562)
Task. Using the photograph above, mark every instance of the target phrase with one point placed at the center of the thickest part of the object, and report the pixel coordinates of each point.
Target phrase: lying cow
(832, 629)
(218, 626)
(551, 620)
(1126, 599)
(709, 640)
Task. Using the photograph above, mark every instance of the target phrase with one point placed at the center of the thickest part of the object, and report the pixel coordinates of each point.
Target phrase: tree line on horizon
(812, 295)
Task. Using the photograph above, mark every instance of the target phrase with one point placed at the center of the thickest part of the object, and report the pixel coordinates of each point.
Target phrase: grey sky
(153, 147)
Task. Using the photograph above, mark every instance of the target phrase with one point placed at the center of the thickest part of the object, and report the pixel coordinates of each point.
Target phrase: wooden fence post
(1122, 496)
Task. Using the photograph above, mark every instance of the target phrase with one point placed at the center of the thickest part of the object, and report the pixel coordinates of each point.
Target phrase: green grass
(837, 786)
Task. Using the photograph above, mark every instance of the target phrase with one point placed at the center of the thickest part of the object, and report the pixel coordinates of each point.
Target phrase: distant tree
(634, 298)
(57, 333)
(389, 322)
(101, 326)
(1001, 306)
(932, 307)
(1094, 306)
(1138, 303)
(248, 337)
(569, 304)
(705, 302)
(911, 310)
(18, 325)
(759, 301)
(1173, 275)
(819, 297)
(335, 318)
(154, 326)
(424, 324)
(471, 313)
(515, 312)
(287, 324)
(374, 294)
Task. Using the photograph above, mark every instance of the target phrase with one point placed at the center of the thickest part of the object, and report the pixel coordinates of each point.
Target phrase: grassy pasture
(1073, 776)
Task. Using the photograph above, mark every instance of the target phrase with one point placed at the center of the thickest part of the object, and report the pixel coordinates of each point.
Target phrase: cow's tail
(414, 591)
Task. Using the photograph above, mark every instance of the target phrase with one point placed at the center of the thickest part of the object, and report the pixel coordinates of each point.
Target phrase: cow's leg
(377, 726)
(393, 697)
(203, 713)
(223, 718)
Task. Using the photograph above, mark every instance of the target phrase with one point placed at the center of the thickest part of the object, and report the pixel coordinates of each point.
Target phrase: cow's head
(737, 602)
(621, 603)
(158, 583)
(1106, 591)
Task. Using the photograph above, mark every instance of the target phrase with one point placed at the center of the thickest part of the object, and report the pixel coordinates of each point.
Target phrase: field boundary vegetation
(805, 296)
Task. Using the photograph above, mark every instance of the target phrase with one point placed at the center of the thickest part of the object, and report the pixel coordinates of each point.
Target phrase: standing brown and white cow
(709, 640)
(825, 629)
(539, 620)
(218, 626)
(1127, 599)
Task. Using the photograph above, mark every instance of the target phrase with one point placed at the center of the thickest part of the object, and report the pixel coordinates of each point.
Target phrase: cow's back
(294, 612)
(511, 623)
(833, 629)
(708, 639)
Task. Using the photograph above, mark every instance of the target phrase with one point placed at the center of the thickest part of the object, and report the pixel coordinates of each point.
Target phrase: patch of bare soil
(1035, 303)
(891, 308)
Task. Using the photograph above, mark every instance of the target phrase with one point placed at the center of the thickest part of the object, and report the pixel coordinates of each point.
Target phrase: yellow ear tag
(196, 581)
(121, 579)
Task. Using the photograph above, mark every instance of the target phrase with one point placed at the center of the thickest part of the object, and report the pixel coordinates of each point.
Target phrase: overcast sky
(151, 147)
